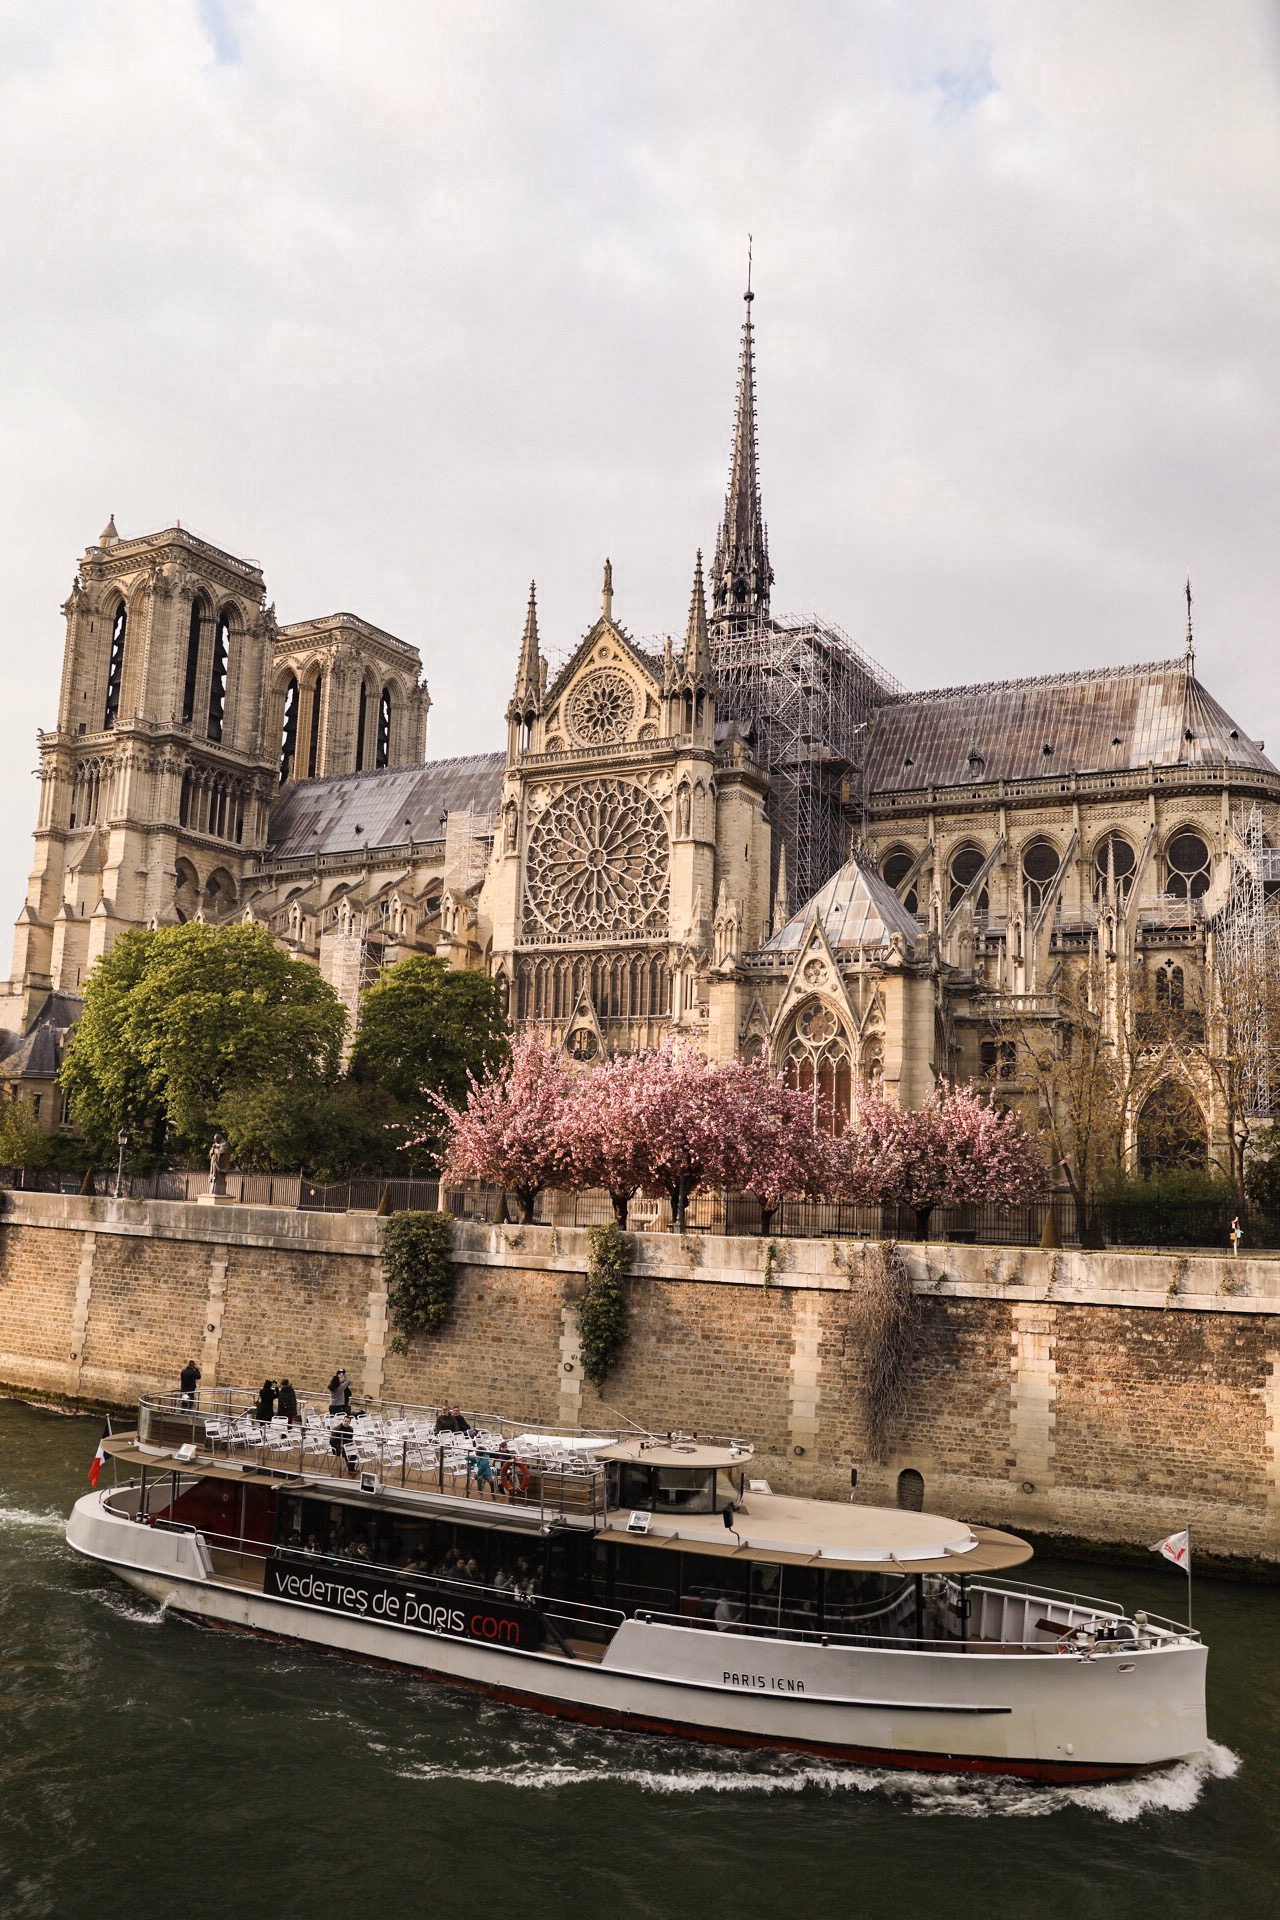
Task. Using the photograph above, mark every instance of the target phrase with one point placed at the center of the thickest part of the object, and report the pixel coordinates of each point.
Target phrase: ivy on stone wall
(602, 1310)
(417, 1265)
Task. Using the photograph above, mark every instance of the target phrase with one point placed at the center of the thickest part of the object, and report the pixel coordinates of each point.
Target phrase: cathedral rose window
(601, 708)
(597, 864)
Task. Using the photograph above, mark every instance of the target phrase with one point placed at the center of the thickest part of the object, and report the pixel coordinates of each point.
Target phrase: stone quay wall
(1108, 1396)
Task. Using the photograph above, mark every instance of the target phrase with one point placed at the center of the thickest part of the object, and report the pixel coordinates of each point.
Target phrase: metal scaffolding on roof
(1247, 952)
(803, 693)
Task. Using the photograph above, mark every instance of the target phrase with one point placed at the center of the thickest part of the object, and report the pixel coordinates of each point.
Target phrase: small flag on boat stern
(99, 1459)
(1176, 1548)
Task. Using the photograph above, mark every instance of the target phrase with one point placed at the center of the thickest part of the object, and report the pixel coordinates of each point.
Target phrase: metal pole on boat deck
(244, 1496)
(964, 1613)
(142, 1497)
(919, 1587)
(1189, 1562)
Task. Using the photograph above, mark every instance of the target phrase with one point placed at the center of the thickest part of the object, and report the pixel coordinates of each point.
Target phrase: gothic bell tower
(155, 783)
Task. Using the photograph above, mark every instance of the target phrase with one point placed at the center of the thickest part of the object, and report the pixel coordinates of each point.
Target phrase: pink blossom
(512, 1130)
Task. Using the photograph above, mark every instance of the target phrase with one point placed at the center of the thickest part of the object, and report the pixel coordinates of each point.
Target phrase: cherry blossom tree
(769, 1147)
(863, 1163)
(678, 1112)
(604, 1129)
(512, 1130)
(959, 1150)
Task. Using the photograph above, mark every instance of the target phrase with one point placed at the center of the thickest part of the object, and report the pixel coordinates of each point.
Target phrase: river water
(153, 1770)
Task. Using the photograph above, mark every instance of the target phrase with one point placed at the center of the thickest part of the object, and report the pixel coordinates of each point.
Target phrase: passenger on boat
(522, 1586)
(311, 1545)
(339, 1391)
(266, 1407)
(503, 1582)
(188, 1380)
(482, 1467)
(287, 1401)
(341, 1436)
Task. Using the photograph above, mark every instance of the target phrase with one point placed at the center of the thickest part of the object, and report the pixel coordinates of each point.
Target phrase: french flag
(99, 1458)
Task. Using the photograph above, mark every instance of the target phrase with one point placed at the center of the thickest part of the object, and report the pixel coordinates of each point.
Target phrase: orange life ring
(514, 1476)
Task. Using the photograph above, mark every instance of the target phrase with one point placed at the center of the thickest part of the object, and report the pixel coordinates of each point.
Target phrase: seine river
(151, 1771)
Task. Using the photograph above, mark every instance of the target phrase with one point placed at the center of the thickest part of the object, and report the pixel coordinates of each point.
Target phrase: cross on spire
(740, 574)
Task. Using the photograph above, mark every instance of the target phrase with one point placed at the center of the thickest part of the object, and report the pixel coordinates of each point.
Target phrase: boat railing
(1118, 1635)
(1081, 1608)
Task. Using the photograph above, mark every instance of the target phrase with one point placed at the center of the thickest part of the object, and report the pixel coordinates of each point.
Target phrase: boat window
(728, 1488)
(713, 1587)
(869, 1603)
(632, 1487)
(644, 1579)
(784, 1599)
(684, 1490)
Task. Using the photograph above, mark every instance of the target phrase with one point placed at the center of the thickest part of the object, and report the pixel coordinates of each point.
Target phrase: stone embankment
(1109, 1396)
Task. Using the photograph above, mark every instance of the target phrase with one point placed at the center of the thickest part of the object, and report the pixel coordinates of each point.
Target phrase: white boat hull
(1034, 1714)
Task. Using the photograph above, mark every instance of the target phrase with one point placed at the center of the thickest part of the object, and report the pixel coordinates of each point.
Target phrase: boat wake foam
(130, 1606)
(1173, 1791)
(23, 1520)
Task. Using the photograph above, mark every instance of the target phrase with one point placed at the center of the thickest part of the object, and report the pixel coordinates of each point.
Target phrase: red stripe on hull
(1043, 1772)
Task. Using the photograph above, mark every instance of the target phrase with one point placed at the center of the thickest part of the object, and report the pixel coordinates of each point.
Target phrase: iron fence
(1127, 1222)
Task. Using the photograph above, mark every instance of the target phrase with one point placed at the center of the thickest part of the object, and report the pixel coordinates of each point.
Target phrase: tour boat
(635, 1580)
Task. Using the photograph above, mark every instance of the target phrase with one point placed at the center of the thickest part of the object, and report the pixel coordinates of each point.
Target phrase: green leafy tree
(177, 1018)
(23, 1141)
(424, 1029)
(334, 1133)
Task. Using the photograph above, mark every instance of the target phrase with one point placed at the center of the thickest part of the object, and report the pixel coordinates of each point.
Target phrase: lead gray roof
(1110, 720)
(382, 809)
(855, 909)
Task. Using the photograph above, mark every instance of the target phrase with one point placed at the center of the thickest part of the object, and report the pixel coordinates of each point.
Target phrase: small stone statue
(217, 1165)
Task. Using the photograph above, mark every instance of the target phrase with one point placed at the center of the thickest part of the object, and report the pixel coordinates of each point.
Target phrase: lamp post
(122, 1141)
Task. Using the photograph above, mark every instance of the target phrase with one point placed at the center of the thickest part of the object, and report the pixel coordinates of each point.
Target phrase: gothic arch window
(1170, 987)
(115, 667)
(289, 730)
(966, 864)
(362, 722)
(1113, 859)
(313, 734)
(220, 892)
(219, 674)
(1171, 1129)
(186, 890)
(1187, 858)
(1039, 870)
(382, 755)
(817, 1058)
(895, 867)
(191, 675)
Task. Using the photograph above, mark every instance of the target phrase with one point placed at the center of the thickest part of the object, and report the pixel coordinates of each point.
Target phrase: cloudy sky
(412, 302)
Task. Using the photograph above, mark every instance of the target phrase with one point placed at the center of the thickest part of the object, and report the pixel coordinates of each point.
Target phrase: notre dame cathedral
(750, 835)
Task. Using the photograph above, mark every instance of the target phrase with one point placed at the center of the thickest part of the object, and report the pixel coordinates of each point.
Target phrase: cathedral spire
(697, 653)
(741, 575)
(530, 674)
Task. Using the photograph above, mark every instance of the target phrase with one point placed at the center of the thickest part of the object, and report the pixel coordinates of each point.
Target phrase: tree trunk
(922, 1222)
(527, 1196)
(766, 1215)
(621, 1202)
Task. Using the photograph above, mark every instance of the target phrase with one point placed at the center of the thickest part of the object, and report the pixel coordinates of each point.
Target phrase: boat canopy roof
(773, 1526)
(677, 1453)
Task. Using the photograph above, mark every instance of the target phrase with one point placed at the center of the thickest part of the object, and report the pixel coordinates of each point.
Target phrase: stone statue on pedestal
(217, 1165)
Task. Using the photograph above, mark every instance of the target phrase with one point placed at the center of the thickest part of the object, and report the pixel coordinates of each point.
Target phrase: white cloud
(412, 302)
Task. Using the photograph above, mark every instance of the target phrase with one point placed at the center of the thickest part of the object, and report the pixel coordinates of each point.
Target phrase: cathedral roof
(348, 811)
(1113, 719)
(855, 908)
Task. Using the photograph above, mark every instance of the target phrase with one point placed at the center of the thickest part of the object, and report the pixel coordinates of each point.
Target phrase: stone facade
(1105, 1396)
(622, 866)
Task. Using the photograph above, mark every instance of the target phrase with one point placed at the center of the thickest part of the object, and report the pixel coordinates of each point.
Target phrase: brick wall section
(38, 1279)
(1113, 1396)
(289, 1313)
(500, 1351)
(146, 1314)
(1129, 1385)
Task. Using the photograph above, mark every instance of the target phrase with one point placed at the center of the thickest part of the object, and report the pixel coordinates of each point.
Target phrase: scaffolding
(1247, 956)
(803, 693)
